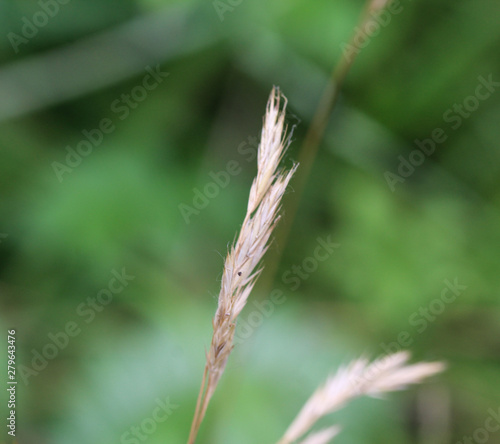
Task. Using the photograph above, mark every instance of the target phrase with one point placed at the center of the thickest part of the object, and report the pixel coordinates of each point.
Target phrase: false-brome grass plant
(241, 270)
(359, 378)
(241, 265)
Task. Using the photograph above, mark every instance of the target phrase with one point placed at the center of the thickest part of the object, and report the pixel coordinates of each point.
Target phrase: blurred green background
(69, 225)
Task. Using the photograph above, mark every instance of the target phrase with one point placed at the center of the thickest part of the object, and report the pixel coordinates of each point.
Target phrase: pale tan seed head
(241, 267)
(359, 378)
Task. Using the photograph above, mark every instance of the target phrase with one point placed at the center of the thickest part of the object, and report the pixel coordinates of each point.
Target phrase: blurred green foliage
(62, 237)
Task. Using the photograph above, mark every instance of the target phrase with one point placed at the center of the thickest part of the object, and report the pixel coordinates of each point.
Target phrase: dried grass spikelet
(241, 264)
(359, 378)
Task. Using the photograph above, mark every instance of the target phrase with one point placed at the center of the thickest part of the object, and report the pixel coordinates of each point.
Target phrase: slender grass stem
(198, 417)
(313, 138)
